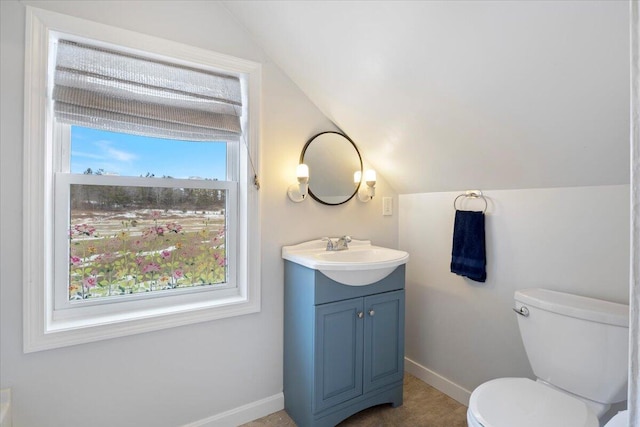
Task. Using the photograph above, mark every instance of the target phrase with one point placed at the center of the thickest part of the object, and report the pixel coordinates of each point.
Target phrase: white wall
(185, 374)
(441, 91)
(461, 333)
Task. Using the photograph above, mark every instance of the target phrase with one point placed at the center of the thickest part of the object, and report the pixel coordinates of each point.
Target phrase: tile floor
(423, 406)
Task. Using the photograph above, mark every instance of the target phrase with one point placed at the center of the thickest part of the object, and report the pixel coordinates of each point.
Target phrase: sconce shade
(302, 171)
(298, 192)
(366, 194)
(370, 177)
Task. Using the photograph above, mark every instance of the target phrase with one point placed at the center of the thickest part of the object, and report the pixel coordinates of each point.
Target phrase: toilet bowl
(578, 349)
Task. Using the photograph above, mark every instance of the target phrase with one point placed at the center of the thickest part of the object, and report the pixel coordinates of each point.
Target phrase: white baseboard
(275, 403)
(437, 381)
(243, 414)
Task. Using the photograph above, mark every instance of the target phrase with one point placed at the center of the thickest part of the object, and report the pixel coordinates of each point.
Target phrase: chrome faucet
(330, 245)
(343, 243)
(339, 245)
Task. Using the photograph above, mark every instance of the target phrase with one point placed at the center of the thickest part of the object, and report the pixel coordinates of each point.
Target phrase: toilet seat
(508, 402)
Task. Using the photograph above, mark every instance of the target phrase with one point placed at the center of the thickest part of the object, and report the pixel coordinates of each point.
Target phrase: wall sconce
(298, 192)
(366, 194)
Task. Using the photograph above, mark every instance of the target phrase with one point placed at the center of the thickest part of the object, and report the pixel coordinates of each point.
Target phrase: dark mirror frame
(347, 139)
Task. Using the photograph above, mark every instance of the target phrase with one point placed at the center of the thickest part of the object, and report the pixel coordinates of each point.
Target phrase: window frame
(47, 327)
(63, 178)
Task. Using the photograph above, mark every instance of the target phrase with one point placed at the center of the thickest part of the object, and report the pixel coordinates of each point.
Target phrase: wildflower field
(132, 251)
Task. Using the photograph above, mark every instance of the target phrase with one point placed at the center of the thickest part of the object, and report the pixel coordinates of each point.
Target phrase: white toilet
(578, 349)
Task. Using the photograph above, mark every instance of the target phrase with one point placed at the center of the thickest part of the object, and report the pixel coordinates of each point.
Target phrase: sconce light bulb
(302, 171)
(357, 177)
(370, 177)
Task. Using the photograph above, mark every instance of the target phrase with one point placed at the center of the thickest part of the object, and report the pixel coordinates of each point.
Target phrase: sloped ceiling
(451, 95)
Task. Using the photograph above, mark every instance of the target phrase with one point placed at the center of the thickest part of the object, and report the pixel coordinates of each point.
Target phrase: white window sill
(65, 332)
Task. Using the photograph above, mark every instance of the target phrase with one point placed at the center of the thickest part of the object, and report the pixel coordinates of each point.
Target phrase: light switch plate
(387, 206)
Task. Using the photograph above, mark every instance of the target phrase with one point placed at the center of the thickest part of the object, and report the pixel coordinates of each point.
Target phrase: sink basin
(361, 264)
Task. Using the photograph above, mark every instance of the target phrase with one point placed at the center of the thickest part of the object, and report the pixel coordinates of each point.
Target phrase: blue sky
(132, 155)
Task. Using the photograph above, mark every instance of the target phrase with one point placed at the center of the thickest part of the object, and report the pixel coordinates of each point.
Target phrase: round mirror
(332, 159)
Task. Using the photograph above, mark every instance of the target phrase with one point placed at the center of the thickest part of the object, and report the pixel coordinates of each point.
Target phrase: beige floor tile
(423, 406)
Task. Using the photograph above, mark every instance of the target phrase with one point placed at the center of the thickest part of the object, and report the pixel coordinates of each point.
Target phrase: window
(129, 232)
(141, 209)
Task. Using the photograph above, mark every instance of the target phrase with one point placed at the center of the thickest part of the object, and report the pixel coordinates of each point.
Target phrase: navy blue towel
(468, 257)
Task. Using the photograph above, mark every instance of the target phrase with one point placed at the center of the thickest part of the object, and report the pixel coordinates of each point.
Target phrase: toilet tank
(576, 343)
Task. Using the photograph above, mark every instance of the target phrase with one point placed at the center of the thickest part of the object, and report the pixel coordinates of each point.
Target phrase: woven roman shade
(116, 91)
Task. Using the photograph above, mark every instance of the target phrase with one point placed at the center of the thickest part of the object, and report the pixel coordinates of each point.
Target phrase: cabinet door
(338, 352)
(384, 339)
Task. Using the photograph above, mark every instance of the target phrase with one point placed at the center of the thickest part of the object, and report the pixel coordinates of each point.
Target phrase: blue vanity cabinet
(384, 340)
(339, 339)
(343, 345)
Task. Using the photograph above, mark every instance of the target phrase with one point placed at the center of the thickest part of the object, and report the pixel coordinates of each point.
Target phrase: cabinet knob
(360, 314)
(371, 312)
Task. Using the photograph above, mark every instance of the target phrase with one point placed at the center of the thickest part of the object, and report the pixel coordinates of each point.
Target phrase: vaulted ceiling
(450, 95)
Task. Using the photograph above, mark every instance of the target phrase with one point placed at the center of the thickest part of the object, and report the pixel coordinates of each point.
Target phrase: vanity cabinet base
(343, 346)
(332, 417)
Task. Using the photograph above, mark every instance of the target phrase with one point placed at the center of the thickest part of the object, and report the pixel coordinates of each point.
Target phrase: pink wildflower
(220, 259)
(75, 260)
(178, 274)
(151, 231)
(151, 267)
(90, 282)
(139, 260)
(165, 254)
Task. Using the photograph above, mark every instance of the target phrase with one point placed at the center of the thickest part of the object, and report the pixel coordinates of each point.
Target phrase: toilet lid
(508, 402)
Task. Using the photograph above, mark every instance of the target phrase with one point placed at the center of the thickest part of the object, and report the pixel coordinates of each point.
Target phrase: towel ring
(474, 194)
